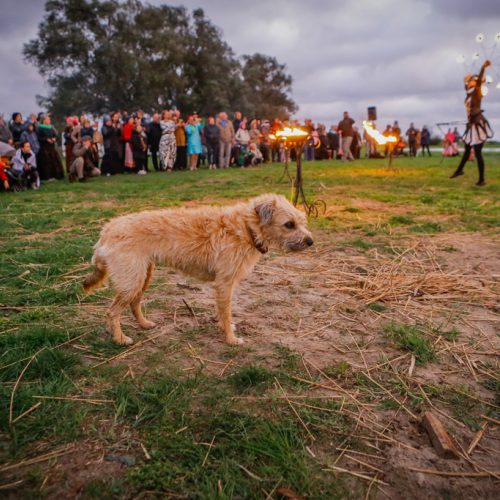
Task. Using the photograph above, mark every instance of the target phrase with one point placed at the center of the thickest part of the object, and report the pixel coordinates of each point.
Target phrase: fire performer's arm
(480, 79)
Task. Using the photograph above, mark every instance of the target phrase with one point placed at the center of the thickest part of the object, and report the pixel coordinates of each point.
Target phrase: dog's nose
(309, 241)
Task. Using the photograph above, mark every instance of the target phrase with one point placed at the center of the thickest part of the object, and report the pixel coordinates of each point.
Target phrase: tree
(102, 55)
(267, 87)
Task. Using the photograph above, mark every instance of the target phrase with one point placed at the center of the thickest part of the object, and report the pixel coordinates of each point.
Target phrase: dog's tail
(98, 276)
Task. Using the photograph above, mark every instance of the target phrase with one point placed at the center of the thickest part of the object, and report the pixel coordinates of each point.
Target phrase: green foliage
(411, 338)
(271, 449)
(249, 376)
(377, 307)
(106, 55)
(397, 220)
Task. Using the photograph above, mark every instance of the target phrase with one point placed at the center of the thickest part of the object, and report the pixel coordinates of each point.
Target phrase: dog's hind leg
(135, 305)
(119, 304)
(224, 297)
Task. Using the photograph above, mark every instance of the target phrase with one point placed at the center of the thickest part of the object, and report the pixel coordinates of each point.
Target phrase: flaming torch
(380, 139)
(295, 137)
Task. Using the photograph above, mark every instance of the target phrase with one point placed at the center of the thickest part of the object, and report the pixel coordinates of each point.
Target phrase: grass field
(393, 312)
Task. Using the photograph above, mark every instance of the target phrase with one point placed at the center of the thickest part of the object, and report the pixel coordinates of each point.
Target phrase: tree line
(103, 55)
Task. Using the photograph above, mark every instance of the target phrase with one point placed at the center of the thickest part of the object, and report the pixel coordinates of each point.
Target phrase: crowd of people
(123, 143)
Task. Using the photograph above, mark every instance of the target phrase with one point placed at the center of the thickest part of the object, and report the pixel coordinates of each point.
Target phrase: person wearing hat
(478, 129)
(85, 160)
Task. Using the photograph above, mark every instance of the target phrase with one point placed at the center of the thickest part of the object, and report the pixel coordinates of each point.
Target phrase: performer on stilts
(478, 129)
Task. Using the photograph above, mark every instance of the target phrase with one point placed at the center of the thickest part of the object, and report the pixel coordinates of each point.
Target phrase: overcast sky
(398, 55)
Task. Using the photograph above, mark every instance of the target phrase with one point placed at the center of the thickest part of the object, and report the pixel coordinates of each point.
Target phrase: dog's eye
(290, 224)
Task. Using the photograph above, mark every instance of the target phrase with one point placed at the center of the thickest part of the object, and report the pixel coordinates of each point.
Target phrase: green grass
(412, 338)
(45, 247)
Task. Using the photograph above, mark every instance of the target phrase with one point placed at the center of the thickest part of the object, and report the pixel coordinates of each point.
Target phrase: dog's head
(281, 224)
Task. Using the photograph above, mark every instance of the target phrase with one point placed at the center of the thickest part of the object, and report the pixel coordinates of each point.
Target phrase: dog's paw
(235, 341)
(124, 340)
(147, 325)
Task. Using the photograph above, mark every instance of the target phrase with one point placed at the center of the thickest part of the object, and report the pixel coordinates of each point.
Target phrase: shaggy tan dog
(219, 244)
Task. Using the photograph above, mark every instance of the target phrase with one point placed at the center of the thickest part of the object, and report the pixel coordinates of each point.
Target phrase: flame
(375, 134)
(289, 133)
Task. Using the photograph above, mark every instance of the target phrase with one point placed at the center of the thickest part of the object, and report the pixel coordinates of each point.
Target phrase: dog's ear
(265, 210)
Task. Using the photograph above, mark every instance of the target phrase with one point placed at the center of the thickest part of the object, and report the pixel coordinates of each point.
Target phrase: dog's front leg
(224, 297)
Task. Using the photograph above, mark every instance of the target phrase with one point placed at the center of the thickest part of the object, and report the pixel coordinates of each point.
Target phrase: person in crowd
(242, 137)
(180, 141)
(87, 128)
(226, 131)
(333, 142)
(167, 145)
(16, 127)
(139, 143)
(322, 148)
(254, 132)
(24, 164)
(254, 155)
(193, 135)
(356, 143)
(98, 139)
(237, 120)
(4, 179)
(69, 139)
(154, 133)
(456, 140)
(212, 137)
(309, 150)
(5, 133)
(396, 130)
(127, 130)
(448, 149)
(29, 135)
(265, 142)
(387, 133)
(425, 140)
(111, 133)
(345, 128)
(48, 161)
(85, 160)
(412, 133)
(478, 130)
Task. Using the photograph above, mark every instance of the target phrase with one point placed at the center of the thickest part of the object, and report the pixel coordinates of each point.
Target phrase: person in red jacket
(127, 131)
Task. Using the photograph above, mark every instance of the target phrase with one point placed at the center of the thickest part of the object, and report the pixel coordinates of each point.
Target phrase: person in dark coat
(16, 128)
(212, 137)
(48, 160)
(333, 141)
(412, 133)
(29, 135)
(154, 135)
(425, 140)
(111, 132)
(139, 144)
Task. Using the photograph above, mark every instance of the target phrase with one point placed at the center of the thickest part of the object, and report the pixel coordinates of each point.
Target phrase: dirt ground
(314, 304)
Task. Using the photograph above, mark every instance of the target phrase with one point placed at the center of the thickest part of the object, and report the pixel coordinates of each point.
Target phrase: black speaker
(372, 113)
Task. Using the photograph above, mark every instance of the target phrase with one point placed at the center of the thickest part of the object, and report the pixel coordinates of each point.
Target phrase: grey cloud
(396, 54)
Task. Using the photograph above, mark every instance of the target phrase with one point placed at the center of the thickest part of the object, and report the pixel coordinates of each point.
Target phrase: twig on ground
(11, 406)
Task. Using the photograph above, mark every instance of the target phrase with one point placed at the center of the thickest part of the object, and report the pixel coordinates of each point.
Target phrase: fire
(375, 134)
(292, 133)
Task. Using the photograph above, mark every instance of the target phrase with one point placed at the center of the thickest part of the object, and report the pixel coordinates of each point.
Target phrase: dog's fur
(219, 244)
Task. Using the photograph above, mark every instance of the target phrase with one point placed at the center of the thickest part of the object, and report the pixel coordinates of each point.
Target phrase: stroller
(18, 180)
